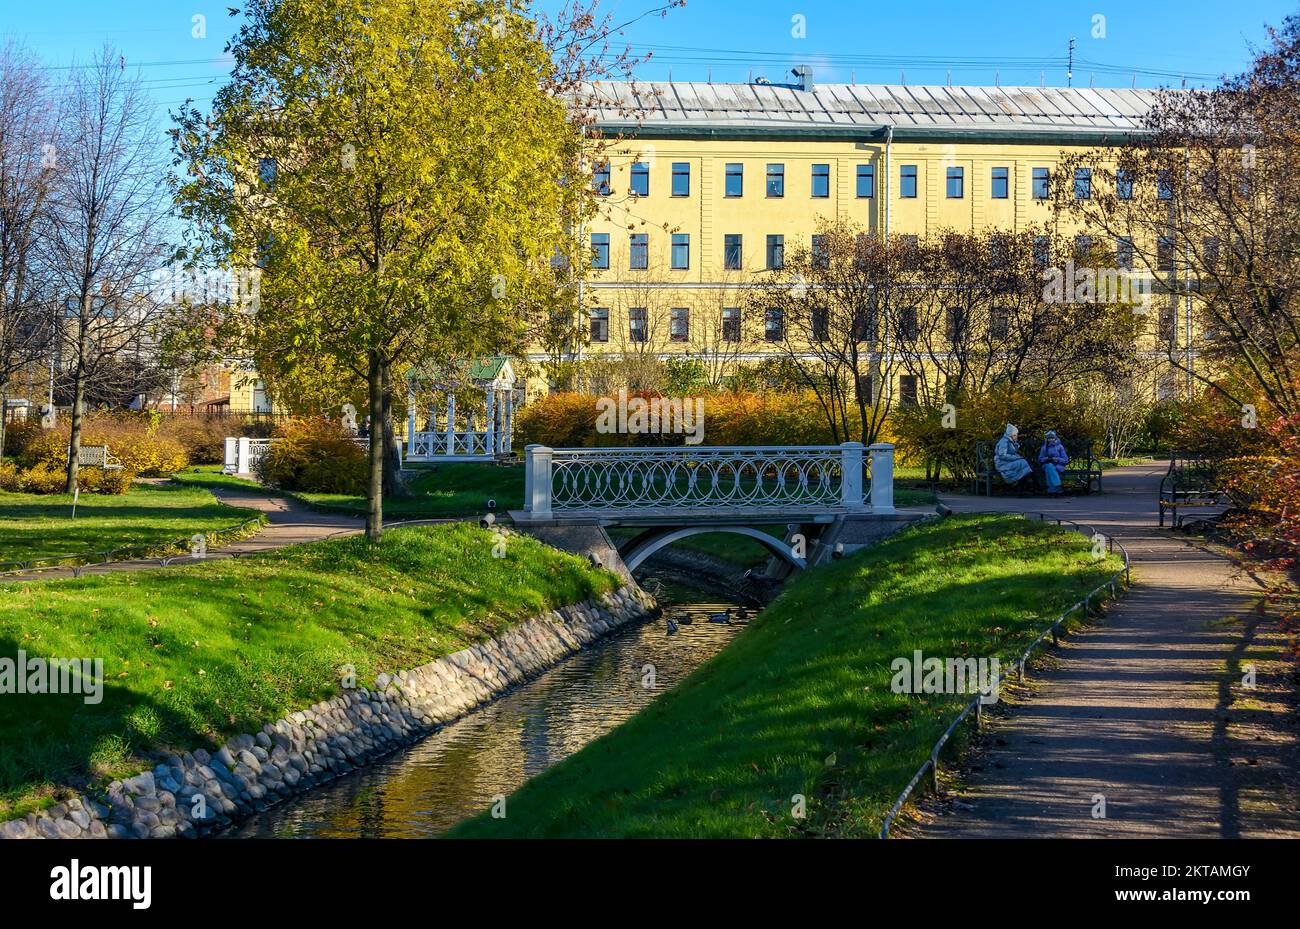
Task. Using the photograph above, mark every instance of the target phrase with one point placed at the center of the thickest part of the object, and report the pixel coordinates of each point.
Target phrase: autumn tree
(26, 174)
(828, 311)
(1208, 196)
(404, 174)
(104, 235)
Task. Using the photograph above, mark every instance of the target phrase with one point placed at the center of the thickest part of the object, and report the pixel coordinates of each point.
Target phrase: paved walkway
(288, 523)
(1142, 709)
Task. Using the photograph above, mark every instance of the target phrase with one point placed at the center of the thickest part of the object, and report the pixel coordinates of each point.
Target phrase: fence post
(537, 481)
(230, 462)
(245, 456)
(882, 478)
(851, 475)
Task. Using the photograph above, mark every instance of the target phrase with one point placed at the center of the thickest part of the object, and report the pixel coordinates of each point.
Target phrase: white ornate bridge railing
(818, 478)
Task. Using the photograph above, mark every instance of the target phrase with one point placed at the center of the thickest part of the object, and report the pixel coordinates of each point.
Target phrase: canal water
(454, 773)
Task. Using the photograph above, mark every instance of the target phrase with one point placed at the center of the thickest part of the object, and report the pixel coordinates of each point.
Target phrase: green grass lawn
(800, 702)
(456, 489)
(193, 654)
(36, 526)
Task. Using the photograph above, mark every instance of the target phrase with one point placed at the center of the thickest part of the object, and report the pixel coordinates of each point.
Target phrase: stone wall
(198, 792)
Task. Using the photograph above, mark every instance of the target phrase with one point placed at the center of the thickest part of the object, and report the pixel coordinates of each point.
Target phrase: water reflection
(455, 773)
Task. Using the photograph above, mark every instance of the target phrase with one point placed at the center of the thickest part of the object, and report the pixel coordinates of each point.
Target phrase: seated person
(1008, 460)
(1054, 459)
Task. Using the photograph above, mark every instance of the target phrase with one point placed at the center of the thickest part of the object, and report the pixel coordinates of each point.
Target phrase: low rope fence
(1122, 577)
(166, 553)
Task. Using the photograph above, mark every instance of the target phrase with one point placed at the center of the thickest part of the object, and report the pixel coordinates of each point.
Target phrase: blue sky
(1014, 41)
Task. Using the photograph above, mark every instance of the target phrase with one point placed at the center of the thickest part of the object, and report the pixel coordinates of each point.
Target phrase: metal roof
(912, 110)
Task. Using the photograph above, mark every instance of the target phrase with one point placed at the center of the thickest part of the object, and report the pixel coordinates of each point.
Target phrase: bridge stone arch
(641, 547)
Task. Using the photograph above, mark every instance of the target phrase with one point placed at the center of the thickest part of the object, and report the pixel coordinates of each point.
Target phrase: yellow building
(710, 183)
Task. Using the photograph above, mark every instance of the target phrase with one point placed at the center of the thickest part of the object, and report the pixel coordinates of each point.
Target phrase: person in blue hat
(1054, 459)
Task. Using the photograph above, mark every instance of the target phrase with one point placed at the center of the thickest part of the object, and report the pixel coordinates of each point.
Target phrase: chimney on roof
(803, 74)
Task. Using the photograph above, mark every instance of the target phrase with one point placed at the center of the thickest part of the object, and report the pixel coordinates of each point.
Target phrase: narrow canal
(454, 773)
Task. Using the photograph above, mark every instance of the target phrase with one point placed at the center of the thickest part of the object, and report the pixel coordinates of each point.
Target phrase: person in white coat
(1008, 460)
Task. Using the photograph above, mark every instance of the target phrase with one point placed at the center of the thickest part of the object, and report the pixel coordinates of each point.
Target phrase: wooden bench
(97, 456)
(1083, 470)
(1191, 481)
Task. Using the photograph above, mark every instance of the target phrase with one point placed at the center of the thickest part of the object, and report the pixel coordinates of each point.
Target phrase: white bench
(97, 456)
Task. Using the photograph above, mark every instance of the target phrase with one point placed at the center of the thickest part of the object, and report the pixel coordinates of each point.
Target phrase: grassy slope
(193, 653)
(35, 526)
(800, 703)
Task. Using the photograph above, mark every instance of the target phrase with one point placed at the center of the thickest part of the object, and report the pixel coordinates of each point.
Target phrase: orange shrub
(568, 420)
(315, 455)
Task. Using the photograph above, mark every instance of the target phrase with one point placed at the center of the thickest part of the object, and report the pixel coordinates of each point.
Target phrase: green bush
(315, 455)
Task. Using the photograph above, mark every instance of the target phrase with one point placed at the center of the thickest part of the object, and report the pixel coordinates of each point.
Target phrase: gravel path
(1145, 710)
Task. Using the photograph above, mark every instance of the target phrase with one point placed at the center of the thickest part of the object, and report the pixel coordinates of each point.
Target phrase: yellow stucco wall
(707, 216)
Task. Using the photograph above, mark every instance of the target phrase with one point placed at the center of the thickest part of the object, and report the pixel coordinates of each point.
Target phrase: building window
(1164, 185)
(907, 389)
(733, 252)
(734, 185)
(679, 326)
(681, 179)
(640, 183)
(775, 252)
(1165, 324)
(1001, 183)
(1124, 253)
(999, 251)
(1165, 253)
(1042, 184)
(600, 251)
(640, 258)
(821, 181)
(1210, 249)
(1124, 184)
(909, 243)
(954, 324)
(867, 388)
(636, 324)
(266, 171)
(600, 179)
(907, 181)
(731, 324)
(866, 181)
(600, 325)
(1042, 250)
(1082, 247)
(681, 252)
(1082, 183)
(821, 324)
(776, 180)
(821, 254)
(909, 326)
(999, 322)
(774, 325)
(956, 183)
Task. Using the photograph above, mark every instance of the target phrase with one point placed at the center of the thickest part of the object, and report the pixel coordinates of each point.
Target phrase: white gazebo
(446, 441)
